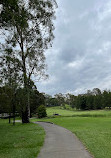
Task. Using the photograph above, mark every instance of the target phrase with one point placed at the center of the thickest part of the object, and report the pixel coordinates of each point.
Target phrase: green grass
(94, 130)
(21, 140)
(24, 141)
(95, 133)
(74, 113)
(52, 110)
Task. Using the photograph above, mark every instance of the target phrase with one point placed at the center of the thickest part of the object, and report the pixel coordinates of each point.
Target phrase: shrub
(41, 111)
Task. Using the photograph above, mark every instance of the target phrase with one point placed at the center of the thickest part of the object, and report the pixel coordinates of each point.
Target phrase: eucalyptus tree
(27, 28)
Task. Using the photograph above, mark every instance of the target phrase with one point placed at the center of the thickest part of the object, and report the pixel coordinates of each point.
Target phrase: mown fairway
(94, 132)
(20, 141)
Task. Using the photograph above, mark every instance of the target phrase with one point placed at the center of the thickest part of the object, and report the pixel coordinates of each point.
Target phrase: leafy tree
(70, 99)
(36, 99)
(47, 99)
(41, 111)
(90, 102)
(106, 99)
(96, 91)
(97, 98)
(81, 102)
(10, 76)
(29, 30)
(7, 102)
(4, 101)
(53, 102)
(61, 99)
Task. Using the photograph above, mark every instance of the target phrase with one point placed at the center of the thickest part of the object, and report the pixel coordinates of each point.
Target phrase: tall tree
(10, 76)
(29, 30)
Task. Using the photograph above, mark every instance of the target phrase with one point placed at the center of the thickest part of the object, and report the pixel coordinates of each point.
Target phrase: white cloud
(76, 64)
(104, 11)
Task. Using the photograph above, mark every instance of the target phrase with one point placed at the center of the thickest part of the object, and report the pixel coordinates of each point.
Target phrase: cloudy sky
(80, 58)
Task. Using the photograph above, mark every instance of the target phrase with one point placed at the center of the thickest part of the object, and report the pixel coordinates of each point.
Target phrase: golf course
(93, 128)
(55, 79)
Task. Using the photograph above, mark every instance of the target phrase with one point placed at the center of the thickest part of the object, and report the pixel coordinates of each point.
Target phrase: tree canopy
(27, 31)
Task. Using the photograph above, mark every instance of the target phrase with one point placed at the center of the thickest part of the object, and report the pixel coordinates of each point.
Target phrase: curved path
(61, 143)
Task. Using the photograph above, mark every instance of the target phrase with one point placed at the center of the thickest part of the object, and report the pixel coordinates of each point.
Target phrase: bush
(41, 111)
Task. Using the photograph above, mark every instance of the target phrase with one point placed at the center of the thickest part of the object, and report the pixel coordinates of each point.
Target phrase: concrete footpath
(61, 143)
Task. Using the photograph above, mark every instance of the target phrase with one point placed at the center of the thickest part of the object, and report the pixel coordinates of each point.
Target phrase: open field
(25, 140)
(93, 113)
(21, 140)
(94, 132)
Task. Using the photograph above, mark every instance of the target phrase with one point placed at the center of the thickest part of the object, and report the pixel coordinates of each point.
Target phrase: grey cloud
(80, 58)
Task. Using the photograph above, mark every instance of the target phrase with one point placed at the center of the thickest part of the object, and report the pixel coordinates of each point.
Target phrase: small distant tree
(47, 99)
(97, 98)
(51, 101)
(61, 99)
(41, 111)
(70, 99)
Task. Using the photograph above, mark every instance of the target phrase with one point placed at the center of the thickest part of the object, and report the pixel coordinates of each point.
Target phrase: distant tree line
(92, 100)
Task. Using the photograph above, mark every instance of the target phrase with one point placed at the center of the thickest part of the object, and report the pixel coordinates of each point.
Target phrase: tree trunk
(28, 104)
(25, 116)
(13, 114)
(14, 120)
(9, 118)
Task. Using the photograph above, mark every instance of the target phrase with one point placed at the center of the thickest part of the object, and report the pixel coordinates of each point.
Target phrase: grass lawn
(94, 131)
(21, 140)
(75, 113)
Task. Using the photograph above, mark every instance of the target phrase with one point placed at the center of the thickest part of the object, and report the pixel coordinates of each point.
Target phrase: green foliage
(36, 99)
(28, 37)
(70, 99)
(81, 102)
(16, 103)
(89, 102)
(60, 98)
(6, 99)
(93, 100)
(41, 111)
(52, 102)
(27, 32)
